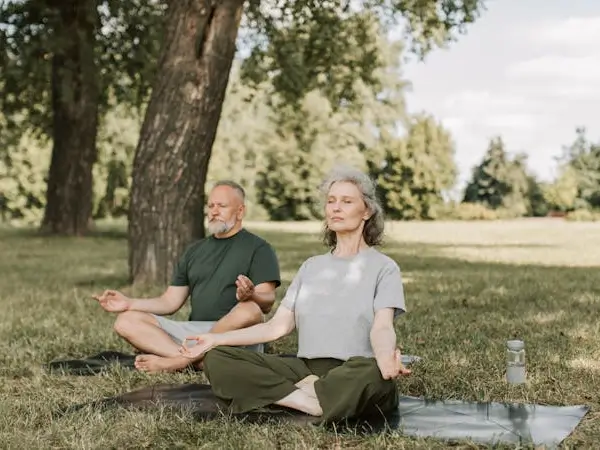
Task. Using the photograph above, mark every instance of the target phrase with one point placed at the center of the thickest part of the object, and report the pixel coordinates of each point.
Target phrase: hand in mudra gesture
(245, 288)
(113, 301)
(203, 343)
(391, 367)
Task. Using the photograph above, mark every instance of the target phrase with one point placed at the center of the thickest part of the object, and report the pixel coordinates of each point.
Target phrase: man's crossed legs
(159, 339)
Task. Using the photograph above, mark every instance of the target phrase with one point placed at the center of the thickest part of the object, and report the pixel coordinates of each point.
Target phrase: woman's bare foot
(302, 401)
(307, 385)
(154, 363)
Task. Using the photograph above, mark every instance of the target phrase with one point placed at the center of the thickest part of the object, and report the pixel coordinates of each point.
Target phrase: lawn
(469, 288)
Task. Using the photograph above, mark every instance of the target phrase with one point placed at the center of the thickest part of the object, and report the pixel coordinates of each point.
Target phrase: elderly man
(231, 277)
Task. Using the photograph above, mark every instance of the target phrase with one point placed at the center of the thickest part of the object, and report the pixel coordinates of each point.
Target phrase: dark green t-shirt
(210, 267)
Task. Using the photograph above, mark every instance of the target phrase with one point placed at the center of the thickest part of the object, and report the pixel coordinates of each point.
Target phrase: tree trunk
(75, 102)
(172, 156)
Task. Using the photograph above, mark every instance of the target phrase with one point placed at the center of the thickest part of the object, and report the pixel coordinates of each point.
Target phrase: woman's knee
(367, 370)
(218, 358)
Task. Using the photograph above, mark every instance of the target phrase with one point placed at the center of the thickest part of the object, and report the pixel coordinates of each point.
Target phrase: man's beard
(219, 227)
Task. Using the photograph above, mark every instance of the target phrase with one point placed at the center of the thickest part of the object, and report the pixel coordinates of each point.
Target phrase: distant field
(536, 241)
(469, 287)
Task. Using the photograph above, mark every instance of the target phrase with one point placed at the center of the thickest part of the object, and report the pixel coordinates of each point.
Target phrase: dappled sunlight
(585, 331)
(547, 241)
(592, 364)
(459, 315)
(543, 318)
(586, 298)
(457, 359)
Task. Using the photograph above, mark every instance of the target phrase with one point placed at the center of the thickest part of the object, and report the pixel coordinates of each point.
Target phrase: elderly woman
(343, 304)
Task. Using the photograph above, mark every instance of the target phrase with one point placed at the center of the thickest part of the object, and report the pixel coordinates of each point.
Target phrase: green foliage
(582, 159)
(500, 182)
(562, 194)
(117, 140)
(128, 36)
(419, 168)
(23, 169)
(466, 211)
(583, 215)
(308, 142)
(239, 148)
(321, 49)
(577, 186)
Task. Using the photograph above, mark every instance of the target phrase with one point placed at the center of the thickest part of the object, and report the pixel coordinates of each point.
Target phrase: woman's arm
(383, 335)
(282, 323)
(383, 342)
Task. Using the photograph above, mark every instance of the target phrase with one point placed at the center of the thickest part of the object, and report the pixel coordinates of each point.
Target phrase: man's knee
(128, 322)
(248, 313)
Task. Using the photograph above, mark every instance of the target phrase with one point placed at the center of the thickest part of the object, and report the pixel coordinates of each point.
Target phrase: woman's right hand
(204, 343)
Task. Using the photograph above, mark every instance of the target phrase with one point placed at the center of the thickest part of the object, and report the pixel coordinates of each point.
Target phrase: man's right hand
(113, 301)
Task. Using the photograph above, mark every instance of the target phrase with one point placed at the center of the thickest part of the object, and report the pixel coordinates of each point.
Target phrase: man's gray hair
(374, 226)
(232, 184)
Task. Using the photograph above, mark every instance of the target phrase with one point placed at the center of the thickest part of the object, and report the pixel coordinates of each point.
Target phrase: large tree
(183, 115)
(61, 63)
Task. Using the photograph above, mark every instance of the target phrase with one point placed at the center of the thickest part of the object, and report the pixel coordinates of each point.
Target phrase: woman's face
(345, 210)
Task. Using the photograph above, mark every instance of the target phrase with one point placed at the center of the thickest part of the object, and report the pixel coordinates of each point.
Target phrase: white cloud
(574, 32)
(473, 100)
(573, 69)
(533, 85)
(517, 121)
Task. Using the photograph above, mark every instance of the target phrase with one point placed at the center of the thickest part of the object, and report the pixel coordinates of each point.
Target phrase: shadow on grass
(103, 281)
(460, 314)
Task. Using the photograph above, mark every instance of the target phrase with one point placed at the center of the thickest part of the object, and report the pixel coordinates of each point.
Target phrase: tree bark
(75, 103)
(172, 156)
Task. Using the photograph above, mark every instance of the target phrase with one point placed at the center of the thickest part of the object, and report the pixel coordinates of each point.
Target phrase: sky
(527, 70)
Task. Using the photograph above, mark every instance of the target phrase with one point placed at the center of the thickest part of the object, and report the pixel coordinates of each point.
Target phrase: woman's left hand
(204, 343)
(391, 366)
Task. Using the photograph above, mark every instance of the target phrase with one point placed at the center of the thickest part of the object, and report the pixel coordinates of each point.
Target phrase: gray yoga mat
(486, 423)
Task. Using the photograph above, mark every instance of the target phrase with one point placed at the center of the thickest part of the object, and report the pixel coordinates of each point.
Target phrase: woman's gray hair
(374, 226)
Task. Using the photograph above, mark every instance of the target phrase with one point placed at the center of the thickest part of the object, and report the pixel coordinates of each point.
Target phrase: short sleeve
(289, 300)
(180, 271)
(389, 292)
(264, 267)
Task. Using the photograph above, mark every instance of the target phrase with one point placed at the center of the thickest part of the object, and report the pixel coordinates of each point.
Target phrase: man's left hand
(245, 288)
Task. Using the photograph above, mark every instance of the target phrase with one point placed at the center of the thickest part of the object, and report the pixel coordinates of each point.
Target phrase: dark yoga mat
(103, 361)
(486, 423)
(92, 365)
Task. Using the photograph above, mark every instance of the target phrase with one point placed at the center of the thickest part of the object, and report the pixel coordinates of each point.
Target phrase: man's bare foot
(307, 385)
(154, 363)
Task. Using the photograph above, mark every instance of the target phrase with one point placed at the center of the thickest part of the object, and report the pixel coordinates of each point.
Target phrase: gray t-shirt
(334, 301)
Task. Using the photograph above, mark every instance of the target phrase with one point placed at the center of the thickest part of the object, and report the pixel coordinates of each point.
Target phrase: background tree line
(280, 154)
(130, 108)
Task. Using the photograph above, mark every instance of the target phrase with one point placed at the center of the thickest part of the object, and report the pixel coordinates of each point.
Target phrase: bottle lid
(515, 344)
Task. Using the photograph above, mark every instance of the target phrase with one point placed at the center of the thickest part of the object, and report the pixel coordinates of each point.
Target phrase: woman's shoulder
(382, 260)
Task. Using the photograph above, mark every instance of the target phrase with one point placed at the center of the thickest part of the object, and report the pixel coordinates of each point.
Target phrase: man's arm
(264, 271)
(264, 296)
(168, 303)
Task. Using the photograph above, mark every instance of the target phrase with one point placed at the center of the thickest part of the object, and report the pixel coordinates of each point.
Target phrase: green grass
(469, 288)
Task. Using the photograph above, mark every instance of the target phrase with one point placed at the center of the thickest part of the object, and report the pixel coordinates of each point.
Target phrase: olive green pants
(249, 380)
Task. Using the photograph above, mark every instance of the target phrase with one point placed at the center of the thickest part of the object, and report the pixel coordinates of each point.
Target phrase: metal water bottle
(515, 362)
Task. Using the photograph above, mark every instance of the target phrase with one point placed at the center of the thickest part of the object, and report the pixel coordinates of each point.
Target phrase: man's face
(223, 210)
